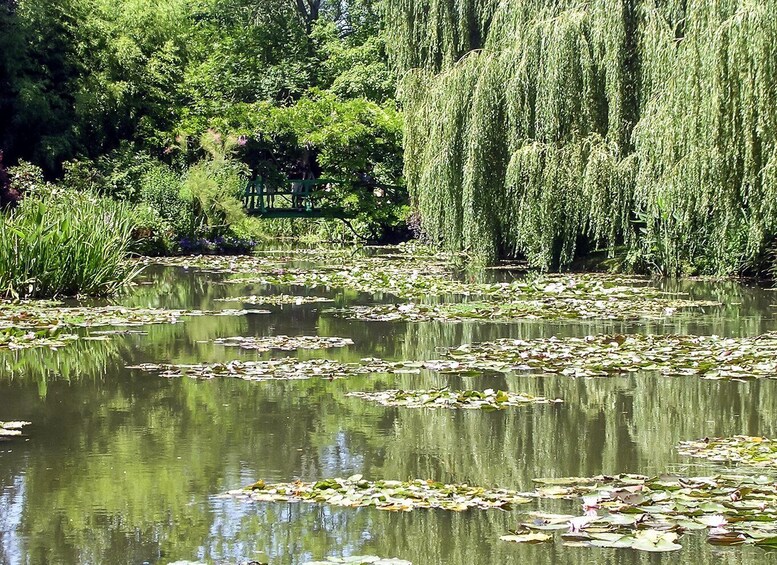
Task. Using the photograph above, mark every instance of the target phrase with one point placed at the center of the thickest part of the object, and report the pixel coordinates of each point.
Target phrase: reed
(65, 245)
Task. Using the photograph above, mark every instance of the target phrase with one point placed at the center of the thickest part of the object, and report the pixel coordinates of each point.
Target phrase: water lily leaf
(655, 541)
(611, 540)
(726, 538)
(12, 429)
(444, 398)
(527, 538)
(384, 495)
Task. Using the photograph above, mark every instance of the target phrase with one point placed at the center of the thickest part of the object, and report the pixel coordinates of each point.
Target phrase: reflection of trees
(78, 360)
(120, 465)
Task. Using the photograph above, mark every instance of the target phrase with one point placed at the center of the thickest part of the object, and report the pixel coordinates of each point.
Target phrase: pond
(120, 465)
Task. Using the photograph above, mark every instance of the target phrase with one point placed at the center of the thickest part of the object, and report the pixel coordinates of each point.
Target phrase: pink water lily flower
(590, 505)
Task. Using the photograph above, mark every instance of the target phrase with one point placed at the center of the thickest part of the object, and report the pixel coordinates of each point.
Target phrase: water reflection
(124, 467)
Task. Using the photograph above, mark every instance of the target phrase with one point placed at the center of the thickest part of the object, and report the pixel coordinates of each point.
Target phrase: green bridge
(296, 198)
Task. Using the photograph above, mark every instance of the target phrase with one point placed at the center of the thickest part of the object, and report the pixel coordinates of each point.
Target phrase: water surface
(121, 466)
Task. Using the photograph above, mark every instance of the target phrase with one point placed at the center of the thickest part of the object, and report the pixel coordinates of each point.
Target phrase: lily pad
(287, 368)
(276, 299)
(384, 495)
(14, 339)
(32, 316)
(12, 429)
(284, 342)
(445, 398)
(655, 541)
(745, 450)
(709, 357)
(548, 308)
(534, 537)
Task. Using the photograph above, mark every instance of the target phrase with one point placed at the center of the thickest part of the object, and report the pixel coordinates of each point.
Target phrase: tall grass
(65, 244)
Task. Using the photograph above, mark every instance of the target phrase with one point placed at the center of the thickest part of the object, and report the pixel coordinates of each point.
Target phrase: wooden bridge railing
(299, 196)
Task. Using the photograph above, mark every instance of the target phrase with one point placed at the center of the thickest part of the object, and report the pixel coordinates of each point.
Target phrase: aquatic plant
(621, 511)
(752, 451)
(65, 244)
(38, 315)
(384, 495)
(488, 399)
(533, 127)
(710, 357)
(11, 429)
(547, 307)
(283, 342)
(276, 299)
(13, 338)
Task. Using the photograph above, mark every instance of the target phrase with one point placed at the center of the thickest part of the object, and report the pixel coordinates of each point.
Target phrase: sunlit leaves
(287, 368)
(276, 300)
(710, 357)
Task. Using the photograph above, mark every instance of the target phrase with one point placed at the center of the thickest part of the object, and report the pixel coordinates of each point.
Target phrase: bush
(160, 190)
(151, 235)
(67, 243)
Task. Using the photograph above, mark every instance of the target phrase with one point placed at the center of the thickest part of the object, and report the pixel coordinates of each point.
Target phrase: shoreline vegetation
(618, 156)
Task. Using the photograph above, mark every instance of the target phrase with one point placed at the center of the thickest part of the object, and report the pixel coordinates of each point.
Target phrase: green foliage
(65, 243)
(643, 124)
(27, 178)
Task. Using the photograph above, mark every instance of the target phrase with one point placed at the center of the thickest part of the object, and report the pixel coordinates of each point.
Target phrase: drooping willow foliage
(533, 127)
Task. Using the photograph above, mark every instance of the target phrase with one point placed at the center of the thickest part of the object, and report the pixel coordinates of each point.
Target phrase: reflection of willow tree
(296, 533)
(607, 425)
(175, 288)
(79, 360)
(124, 462)
(473, 537)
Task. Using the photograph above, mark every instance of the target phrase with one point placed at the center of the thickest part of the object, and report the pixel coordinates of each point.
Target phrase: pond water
(121, 466)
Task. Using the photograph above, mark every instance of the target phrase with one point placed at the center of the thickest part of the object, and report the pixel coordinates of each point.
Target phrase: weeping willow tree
(533, 127)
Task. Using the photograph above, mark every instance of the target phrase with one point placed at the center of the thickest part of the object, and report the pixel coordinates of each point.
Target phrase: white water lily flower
(577, 524)
(714, 521)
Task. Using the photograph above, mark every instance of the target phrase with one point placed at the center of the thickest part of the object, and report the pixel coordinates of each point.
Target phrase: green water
(121, 466)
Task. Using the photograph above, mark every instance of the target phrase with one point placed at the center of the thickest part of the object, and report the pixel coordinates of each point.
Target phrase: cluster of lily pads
(285, 368)
(13, 338)
(284, 342)
(745, 450)
(12, 429)
(35, 316)
(276, 299)
(355, 491)
(649, 513)
(488, 399)
(623, 511)
(390, 277)
(550, 307)
(711, 357)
